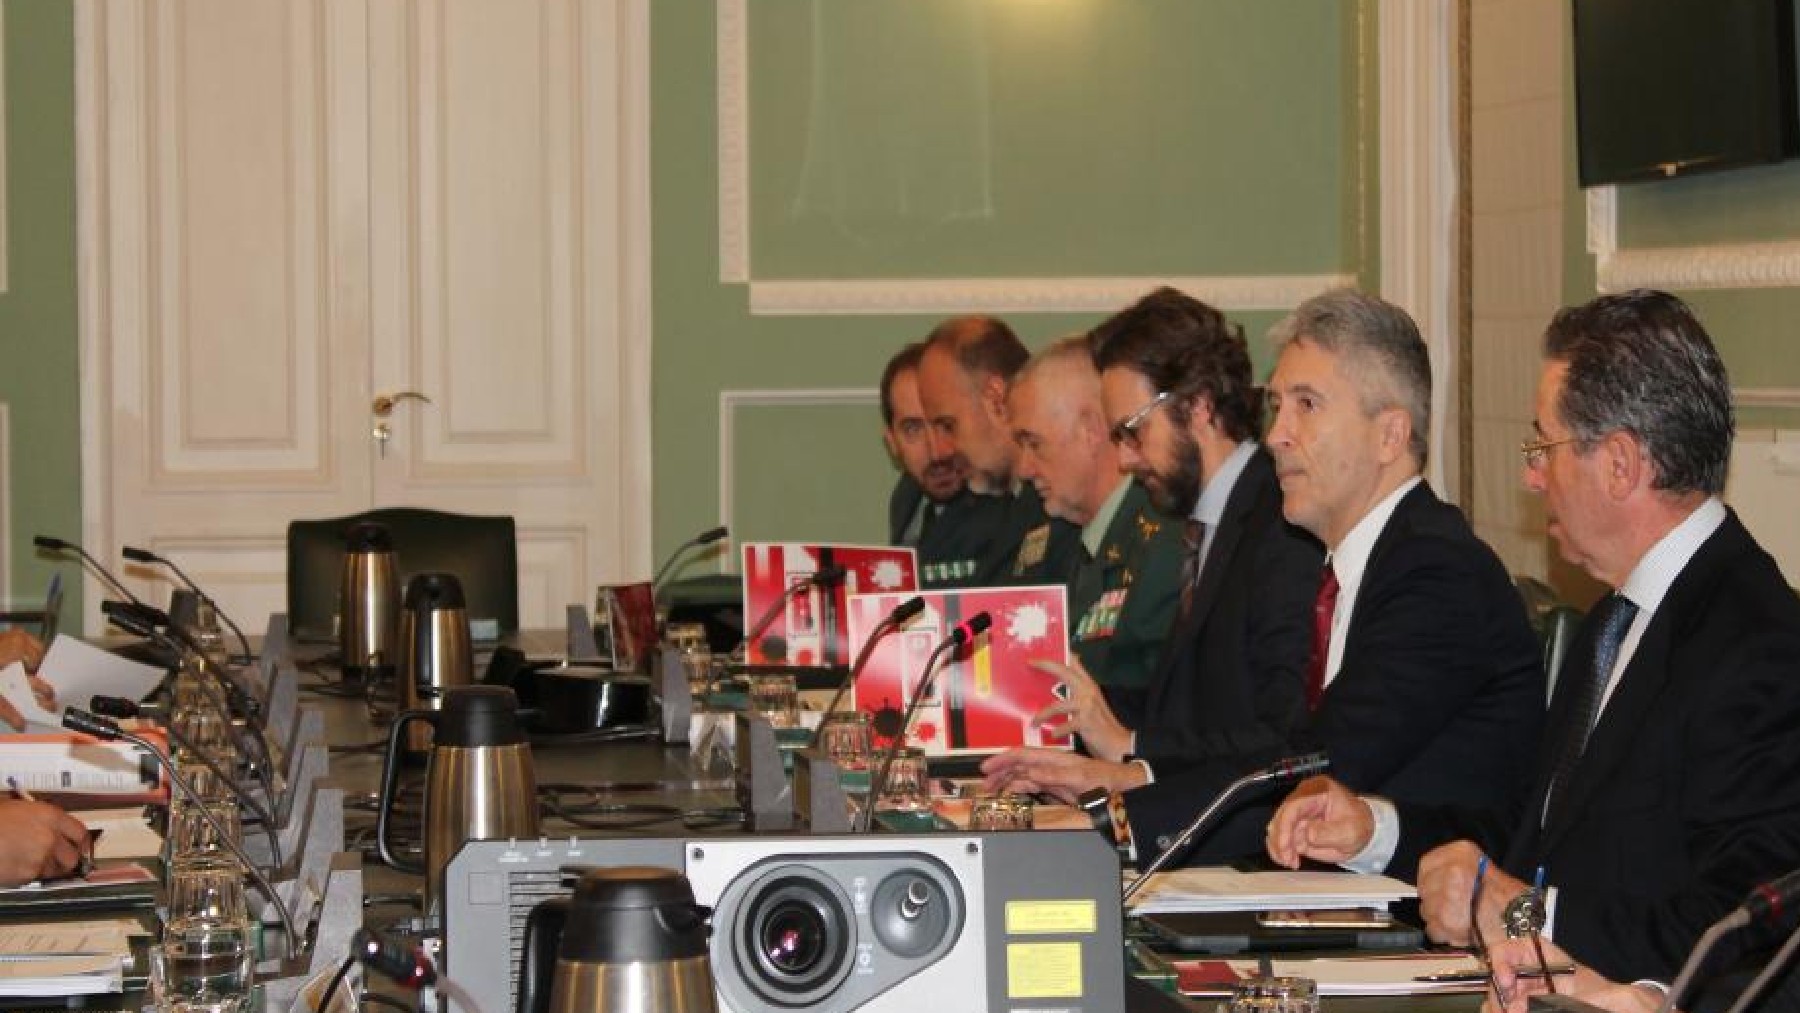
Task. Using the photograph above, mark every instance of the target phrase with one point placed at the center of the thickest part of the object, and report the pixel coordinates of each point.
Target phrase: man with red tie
(1425, 679)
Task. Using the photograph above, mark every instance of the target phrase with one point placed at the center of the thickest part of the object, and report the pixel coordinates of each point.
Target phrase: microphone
(1769, 901)
(77, 720)
(119, 707)
(1283, 771)
(824, 576)
(707, 537)
(138, 555)
(50, 544)
(901, 615)
(959, 637)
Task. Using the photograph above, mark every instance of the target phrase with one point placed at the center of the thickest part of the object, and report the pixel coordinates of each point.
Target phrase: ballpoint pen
(86, 863)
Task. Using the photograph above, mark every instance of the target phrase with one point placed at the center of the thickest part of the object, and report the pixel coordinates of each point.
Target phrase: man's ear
(1627, 464)
(993, 398)
(1396, 434)
(893, 445)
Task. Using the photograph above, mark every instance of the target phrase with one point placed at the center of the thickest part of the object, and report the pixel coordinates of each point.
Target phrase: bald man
(1125, 588)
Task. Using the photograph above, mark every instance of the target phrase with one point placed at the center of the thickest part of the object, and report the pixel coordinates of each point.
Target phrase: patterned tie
(1324, 607)
(1193, 535)
(1618, 612)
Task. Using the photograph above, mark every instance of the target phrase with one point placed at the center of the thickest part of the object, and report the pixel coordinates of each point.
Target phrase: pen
(1477, 977)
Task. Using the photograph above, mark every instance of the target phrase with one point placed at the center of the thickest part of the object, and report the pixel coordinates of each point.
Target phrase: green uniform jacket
(1122, 602)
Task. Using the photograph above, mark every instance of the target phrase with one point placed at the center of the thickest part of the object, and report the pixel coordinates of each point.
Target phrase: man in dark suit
(925, 486)
(1176, 384)
(1670, 779)
(1424, 679)
(964, 375)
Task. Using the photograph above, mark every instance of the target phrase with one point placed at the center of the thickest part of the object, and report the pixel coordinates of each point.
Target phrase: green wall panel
(38, 342)
(1155, 137)
(1737, 206)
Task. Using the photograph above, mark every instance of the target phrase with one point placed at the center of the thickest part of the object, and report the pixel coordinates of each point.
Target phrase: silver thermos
(368, 603)
(633, 941)
(434, 651)
(480, 784)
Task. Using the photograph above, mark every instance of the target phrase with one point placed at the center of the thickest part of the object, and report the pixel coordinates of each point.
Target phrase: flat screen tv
(1672, 87)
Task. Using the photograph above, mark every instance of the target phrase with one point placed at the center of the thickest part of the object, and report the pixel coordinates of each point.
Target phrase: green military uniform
(1125, 596)
(955, 538)
(1034, 547)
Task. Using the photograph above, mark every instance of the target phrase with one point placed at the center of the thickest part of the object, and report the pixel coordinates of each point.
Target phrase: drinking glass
(908, 788)
(205, 961)
(847, 739)
(1001, 812)
(776, 698)
(193, 841)
(1275, 995)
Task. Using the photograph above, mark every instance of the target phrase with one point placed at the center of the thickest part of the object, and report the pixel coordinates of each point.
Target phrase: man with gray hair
(1669, 782)
(1424, 681)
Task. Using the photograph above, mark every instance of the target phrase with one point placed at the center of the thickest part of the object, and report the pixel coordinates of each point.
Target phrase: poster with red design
(808, 627)
(983, 698)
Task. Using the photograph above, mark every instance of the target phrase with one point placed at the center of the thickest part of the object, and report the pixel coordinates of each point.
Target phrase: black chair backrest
(1555, 622)
(481, 551)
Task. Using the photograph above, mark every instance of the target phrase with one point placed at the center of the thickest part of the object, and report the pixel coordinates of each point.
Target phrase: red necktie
(1324, 606)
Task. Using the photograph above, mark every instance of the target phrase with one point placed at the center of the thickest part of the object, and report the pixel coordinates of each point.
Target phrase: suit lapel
(1640, 685)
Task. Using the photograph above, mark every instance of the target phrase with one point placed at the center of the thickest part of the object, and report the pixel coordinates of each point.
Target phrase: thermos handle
(390, 774)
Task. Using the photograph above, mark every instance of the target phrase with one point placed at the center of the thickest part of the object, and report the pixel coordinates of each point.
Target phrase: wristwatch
(1525, 914)
(1106, 814)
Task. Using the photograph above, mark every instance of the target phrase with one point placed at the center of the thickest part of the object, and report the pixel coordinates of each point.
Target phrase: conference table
(649, 789)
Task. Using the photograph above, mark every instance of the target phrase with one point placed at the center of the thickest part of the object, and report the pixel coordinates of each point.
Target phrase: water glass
(908, 787)
(847, 738)
(777, 699)
(204, 966)
(686, 637)
(192, 839)
(1275, 995)
(1001, 812)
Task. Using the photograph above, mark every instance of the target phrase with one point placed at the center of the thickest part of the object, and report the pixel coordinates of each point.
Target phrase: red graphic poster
(808, 628)
(981, 700)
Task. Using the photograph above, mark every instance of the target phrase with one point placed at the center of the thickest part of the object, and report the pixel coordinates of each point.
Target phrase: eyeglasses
(1125, 431)
(1534, 451)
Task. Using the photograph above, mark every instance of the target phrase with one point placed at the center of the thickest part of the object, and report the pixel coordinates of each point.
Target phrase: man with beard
(964, 375)
(1176, 386)
(927, 492)
(1122, 595)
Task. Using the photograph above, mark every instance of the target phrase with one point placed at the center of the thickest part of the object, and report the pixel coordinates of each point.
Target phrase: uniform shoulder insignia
(1147, 527)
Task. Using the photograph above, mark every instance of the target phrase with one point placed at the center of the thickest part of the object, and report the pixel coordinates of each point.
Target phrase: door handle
(383, 405)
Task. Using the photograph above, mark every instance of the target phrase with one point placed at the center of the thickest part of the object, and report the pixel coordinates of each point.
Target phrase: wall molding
(1766, 397)
(1027, 295)
(6, 572)
(730, 401)
(1703, 266)
(1419, 194)
(883, 296)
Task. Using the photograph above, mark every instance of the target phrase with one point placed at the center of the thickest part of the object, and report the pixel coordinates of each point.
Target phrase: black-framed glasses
(1534, 451)
(1125, 431)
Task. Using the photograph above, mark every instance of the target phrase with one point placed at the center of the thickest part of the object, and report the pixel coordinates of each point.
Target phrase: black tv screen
(1671, 87)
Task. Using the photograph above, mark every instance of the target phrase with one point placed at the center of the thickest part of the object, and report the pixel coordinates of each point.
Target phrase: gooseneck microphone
(77, 720)
(1280, 772)
(1771, 901)
(964, 633)
(707, 537)
(900, 616)
(824, 576)
(50, 544)
(138, 555)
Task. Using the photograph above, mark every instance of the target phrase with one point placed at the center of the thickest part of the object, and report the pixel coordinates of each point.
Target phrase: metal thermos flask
(480, 784)
(368, 603)
(434, 651)
(633, 941)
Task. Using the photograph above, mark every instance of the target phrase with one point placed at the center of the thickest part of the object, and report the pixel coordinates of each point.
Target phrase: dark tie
(1193, 535)
(1324, 607)
(1584, 713)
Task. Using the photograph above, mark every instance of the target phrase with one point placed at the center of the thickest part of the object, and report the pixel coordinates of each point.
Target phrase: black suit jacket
(1439, 696)
(1232, 679)
(1688, 792)
(903, 502)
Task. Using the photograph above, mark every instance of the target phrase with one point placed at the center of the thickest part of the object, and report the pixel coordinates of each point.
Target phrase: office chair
(1555, 622)
(481, 551)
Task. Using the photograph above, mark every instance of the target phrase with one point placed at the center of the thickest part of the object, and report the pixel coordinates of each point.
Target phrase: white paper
(17, 691)
(57, 976)
(1217, 888)
(80, 671)
(124, 833)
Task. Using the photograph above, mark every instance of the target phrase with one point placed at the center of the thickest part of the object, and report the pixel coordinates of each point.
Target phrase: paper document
(95, 937)
(1217, 888)
(17, 692)
(79, 671)
(124, 833)
(1398, 975)
(59, 976)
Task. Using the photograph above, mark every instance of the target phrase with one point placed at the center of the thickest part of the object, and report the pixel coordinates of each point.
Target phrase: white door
(290, 210)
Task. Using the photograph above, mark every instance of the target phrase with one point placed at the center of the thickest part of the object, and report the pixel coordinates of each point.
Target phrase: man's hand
(41, 842)
(1055, 772)
(1321, 820)
(1446, 879)
(17, 645)
(1087, 712)
(1511, 956)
